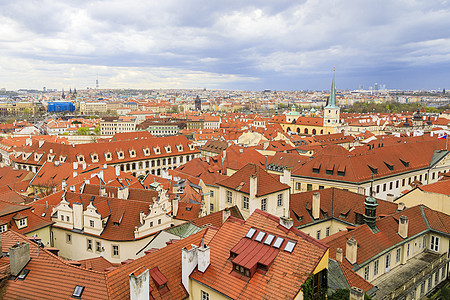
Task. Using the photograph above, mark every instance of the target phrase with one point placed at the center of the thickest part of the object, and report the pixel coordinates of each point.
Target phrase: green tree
(97, 130)
(83, 131)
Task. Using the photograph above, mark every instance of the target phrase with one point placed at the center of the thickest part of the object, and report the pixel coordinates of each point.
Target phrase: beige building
(89, 108)
(118, 126)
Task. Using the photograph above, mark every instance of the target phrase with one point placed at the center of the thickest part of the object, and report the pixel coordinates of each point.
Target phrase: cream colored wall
(438, 202)
(196, 289)
(44, 234)
(334, 226)
(77, 249)
(255, 202)
(213, 199)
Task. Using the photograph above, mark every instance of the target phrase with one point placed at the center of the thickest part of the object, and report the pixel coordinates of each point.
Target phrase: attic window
(146, 151)
(289, 246)
(405, 163)
(242, 270)
(120, 154)
(250, 233)
(132, 153)
(191, 147)
(389, 166)
(278, 242)
(316, 168)
(260, 236)
(329, 170)
(23, 274)
(157, 150)
(269, 239)
(373, 169)
(78, 291)
(108, 156)
(94, 158)
(168, 149)
(180, 147)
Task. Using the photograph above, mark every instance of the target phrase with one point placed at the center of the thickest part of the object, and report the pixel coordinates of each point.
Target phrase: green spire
(332, 100)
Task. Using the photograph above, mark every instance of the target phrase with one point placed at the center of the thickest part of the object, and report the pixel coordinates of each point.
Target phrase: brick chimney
(403, 227)
(286, 222)
(316, 205)
(189, 261)
(339, 254)
(351, 250)
(19, 256)
(204, 257)
(139, 285)
(356, 293)
(253, 186)
(77, 215)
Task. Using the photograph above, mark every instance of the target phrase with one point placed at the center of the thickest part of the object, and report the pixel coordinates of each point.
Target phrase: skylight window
(260, 236)
(269, 239)
(78, 291)
(289, 246)
(250, 233)
(23, 274)
(278, 243)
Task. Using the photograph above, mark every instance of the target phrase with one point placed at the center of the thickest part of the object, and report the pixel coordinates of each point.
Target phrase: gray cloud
(275, 41)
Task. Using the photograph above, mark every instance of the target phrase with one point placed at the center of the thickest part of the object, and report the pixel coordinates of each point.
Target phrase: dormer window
(21, 221)
(241, 270)
(62, 158)
(132, 153)
(191, 147)
(157, 150)
(80, 158)
(373, 169)
(120, 155)
(146, 151)
(94, 157)
(168, 149)
(108, 156)
(36, 157)
(50, 157)
(180, 147)
(3, 227)
(405, 163)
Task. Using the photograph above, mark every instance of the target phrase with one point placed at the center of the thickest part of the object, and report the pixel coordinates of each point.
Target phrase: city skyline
(248, 46)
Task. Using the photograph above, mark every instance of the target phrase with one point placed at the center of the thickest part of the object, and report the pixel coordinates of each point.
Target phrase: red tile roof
(266, 184)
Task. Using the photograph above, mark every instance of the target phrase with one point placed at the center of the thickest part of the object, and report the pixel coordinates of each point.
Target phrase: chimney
(83, 165)
(75, 174)
(316, 205)
(117, 171)
(103, 191)
(286, 222)
(139, 284)
(351, 250)
(75, 165)
(29, 142)
(19, 256)
(63, 184)
(390, 197)
(41, 142)
(400, 206)
(286, 177)
(189, 261)
(403, 227)
(123, 192)
(225, 214)
(339, 254)
(204, 257)
(77, 215)
(174, 207)
(356, 293)
(253, 186)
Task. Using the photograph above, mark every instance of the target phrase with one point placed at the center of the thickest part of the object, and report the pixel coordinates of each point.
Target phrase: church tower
(331, 112)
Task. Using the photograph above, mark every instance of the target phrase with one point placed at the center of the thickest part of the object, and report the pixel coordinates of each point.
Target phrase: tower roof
(331, 103)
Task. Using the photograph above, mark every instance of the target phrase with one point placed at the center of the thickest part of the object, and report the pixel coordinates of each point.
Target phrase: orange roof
(266, 184)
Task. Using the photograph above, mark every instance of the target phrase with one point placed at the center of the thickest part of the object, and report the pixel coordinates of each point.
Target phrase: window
(91, 223)
(205, 295)
(68, 238)
(309, 187)
(407, 251)
(98, 246)
(430, 283)
(318, 234)
(62, 218)
(403, 182)
(375, 267)
(443, 271)
(3, 228)
(264, 204)
(434, 245)
(159, 221)
(390, 185)
(151, 224)
(424, 241)
(67, 218)
(388, 262)
(78, 291)
(229, 197)
(422, 289)
(398, 255)
(298, 186)
(280, 200)
(366, 273)
(327, 233)
(89, 244)
(384, 187)
(378, 189)
(211, 207)
(22, 222)
(321, 187)
(396, 184)
(245, 202)
(436, 277)
(115, 249)
(211, 192)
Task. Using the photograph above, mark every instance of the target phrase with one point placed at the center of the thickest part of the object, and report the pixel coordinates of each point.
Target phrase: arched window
(306, 130)
(314, 131)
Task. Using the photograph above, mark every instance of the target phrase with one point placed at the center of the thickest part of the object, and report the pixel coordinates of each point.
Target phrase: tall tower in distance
(96, 83)
(331, 112)
(198, 104)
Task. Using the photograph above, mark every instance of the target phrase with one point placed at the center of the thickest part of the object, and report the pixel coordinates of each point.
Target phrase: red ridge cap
(266, 214)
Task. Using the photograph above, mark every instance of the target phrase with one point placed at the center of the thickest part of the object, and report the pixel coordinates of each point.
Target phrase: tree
(97, 130)
(83, 131)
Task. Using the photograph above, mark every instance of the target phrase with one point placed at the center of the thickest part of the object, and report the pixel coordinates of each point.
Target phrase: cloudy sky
(234, 44)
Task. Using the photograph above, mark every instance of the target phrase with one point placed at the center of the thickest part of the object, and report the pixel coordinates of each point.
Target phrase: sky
(228, 44)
